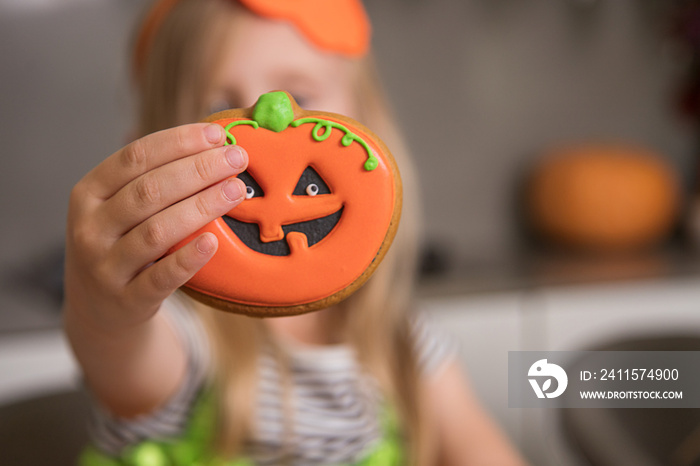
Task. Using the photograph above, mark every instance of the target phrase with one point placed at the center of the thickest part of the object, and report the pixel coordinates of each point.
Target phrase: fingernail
(206, 243)
(235, 156)
(232, 190)
(213, 133)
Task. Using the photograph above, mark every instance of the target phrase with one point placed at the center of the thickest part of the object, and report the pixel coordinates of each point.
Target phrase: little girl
(176, 383)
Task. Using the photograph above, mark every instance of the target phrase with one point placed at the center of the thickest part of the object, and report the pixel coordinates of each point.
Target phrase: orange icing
(276, 161)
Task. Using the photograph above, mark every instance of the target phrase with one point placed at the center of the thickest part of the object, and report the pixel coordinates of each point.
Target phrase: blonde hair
(172, 89)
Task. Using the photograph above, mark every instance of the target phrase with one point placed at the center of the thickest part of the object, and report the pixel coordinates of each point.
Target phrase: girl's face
(262, 55)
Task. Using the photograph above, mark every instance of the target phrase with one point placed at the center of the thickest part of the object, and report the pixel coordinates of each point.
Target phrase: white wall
(482, 86)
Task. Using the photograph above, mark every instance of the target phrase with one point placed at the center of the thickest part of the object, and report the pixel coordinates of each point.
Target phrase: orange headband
(339, 26)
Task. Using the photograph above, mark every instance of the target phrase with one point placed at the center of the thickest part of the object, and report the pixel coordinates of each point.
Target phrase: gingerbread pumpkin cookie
(322, 206)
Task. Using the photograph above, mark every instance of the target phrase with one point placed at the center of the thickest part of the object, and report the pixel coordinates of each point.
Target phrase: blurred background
(557, 146)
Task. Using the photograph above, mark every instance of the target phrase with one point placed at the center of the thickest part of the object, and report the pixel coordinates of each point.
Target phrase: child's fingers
(161, 279)
(164, 186)
(151, 239)
(150, 152)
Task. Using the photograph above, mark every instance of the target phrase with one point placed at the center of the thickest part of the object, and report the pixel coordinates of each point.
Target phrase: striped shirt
(336, 406)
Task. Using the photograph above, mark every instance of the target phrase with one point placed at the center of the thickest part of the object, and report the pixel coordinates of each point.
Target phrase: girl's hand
(132, 208)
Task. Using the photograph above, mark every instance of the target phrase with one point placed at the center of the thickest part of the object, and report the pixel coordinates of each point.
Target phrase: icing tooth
(297, 242)
(269, 233)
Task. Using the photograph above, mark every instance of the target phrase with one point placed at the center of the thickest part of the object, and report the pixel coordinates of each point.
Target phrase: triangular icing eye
(253, 189)
(311, 184)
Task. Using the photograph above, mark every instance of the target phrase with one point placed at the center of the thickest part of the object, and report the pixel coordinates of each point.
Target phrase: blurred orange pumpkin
(603, 197)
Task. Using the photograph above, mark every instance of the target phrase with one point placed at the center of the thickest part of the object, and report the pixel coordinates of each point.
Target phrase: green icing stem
(326, 125)
(321, 125)
(230, 139)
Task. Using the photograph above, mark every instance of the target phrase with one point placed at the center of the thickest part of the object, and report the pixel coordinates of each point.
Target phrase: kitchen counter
(24, 307)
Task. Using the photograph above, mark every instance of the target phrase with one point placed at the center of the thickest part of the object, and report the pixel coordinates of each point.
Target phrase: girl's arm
(123, 217)
(466, 435)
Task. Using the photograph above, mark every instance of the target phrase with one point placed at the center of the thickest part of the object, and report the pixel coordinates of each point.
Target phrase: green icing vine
(274, 111)
(327, 126)
(230, 139)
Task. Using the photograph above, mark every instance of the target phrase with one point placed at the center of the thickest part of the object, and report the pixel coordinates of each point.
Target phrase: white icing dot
(249, 192)
(312, 189)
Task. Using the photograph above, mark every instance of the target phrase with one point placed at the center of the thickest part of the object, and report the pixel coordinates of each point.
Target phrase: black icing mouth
(315, 230)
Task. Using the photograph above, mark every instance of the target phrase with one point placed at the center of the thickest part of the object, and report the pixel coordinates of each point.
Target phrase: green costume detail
(230, 138)
(192, 448)
(389, 452)
(273, 111)
(350, 137)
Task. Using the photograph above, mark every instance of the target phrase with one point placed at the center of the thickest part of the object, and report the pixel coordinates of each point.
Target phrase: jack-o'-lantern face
(322, 205)
(267, 234)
